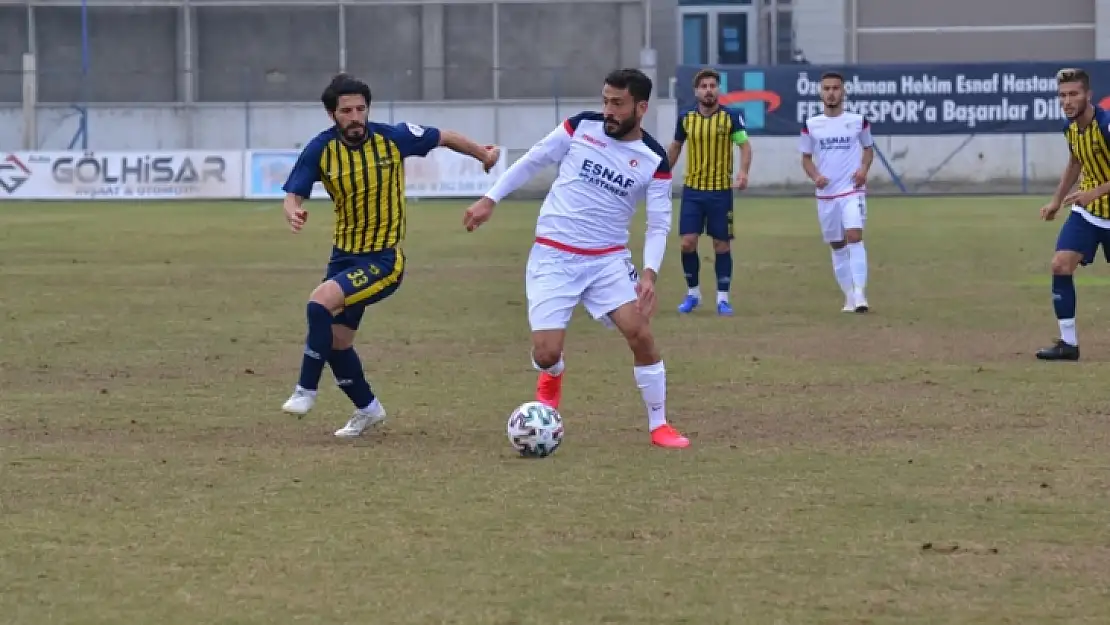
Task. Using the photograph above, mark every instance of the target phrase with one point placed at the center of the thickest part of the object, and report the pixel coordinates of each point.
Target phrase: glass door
(695, 39)
(734, 34)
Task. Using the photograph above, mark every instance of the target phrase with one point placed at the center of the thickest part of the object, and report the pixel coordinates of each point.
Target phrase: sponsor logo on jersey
(603, 177)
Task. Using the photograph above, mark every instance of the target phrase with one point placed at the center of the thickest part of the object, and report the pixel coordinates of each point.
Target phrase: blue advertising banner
(919, 99)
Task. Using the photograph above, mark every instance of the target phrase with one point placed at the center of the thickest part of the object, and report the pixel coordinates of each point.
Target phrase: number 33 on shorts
(359, 278)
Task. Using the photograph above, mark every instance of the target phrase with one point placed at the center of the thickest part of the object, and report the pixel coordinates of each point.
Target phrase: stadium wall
(996, 163)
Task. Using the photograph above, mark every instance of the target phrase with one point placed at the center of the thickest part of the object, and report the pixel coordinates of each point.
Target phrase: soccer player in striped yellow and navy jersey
(711, 131)
(361, 166)
(1088, 224)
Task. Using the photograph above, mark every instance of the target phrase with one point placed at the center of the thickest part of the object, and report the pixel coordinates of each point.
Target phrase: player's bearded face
(622, 112)
(351, 116)
(708, 92)
(617, 127)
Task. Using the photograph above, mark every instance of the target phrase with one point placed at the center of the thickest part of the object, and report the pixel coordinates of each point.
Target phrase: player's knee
(547, 349)
(689, 243)
(639, 337)
(546, 356)
(329, 295)
(643, 347)
(1064, 263)
(721, 246)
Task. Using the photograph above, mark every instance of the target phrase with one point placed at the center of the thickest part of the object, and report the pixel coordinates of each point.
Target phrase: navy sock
(723, 266)
(347, 368)
(317, 346)
(1063, 296)
(691, 266)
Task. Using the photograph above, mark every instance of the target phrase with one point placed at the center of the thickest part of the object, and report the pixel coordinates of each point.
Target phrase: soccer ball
(535, 430)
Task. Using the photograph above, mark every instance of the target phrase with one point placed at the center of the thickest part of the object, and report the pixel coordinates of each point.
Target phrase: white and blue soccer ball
(535, 430)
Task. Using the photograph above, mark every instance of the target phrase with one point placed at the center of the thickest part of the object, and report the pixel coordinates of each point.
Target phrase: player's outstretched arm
(550, 150)
(415, 140)
(487, 155)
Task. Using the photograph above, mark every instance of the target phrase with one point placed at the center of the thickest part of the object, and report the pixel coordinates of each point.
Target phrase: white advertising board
(96, 175)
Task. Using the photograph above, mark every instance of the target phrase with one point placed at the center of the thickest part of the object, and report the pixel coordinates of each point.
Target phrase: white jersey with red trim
(599, 183)
(836, 144)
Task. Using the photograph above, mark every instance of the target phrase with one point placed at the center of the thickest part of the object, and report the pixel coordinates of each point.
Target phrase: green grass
(148, 476)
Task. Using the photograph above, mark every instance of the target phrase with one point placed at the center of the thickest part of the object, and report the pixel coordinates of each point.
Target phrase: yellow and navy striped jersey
(1091, 147)
(366, 182)
(709, 140)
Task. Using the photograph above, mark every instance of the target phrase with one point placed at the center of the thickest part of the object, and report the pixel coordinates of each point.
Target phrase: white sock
(555, 370)
(843, 269)
(1067, 331)
(857, 256)
(652, 380)
(695, 293)
(301, 389)
(722, 297)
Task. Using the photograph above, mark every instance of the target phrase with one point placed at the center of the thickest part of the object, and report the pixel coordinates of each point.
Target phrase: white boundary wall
(987, 163)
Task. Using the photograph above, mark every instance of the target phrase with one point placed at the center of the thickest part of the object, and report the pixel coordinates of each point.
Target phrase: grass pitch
(914, 465)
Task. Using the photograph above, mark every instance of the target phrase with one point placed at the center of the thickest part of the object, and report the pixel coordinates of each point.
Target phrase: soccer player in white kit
(844, 149)
(607, 163)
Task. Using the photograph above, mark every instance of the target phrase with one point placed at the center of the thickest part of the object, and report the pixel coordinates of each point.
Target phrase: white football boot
(362, 419)
(300, 402)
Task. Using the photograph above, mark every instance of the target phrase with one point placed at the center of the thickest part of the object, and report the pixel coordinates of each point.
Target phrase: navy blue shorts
(1081, 236)
(365, 279)
(706, 212)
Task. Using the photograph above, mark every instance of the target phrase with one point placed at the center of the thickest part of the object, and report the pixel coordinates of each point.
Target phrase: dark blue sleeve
(737, 120)
(1103, 121)
(663, 170)
(680, 128)
(306, 171)
(413, 140)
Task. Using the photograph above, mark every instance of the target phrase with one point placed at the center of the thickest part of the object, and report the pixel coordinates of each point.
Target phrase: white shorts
(841, 213)
(557, 281)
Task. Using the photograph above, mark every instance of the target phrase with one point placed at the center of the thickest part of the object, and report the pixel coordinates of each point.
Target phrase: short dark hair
(708, 72)
(341, 85)
(832, 74)
(1074, 74)
(637, 83)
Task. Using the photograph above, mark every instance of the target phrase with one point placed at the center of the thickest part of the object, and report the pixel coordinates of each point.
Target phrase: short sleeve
(805, 142)
(414, 140)
(865, 138)
(737, 120)
(1104, 126)
(306, 171)
(680, 128)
